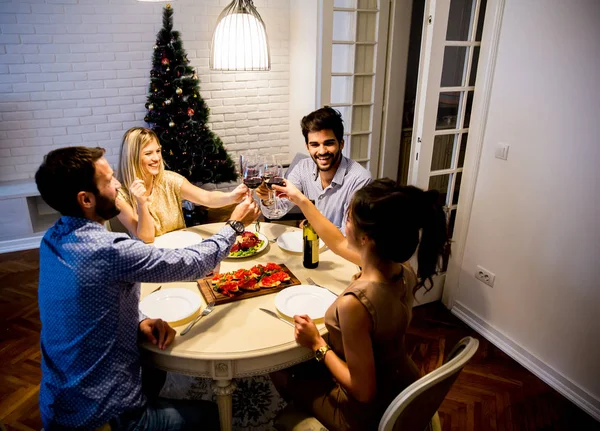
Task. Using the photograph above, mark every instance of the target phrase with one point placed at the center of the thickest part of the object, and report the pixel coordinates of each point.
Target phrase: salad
(246, 244)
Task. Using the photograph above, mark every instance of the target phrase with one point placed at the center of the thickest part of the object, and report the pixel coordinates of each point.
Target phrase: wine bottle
(311, 246)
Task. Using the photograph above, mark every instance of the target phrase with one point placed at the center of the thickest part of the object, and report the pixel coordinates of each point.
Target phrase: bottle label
(315, 250)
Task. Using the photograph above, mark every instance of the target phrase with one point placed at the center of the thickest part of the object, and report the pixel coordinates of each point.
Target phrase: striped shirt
(334, 200)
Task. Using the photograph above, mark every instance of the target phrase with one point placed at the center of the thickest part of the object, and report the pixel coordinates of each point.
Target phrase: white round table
(237, 339)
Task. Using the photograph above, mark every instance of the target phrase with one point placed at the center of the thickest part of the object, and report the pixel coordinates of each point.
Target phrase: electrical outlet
(485, 276)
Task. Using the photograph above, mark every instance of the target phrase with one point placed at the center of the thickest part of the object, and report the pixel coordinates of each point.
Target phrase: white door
(446, 87)
(353, 45)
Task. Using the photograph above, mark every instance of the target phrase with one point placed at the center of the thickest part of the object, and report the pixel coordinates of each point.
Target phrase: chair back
(418, 403)
(115, 225)
(294, 162)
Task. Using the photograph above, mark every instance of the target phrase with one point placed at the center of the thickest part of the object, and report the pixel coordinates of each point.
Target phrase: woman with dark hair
(364, 364)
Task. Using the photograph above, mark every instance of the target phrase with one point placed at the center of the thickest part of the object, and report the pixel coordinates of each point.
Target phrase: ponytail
(434, 237)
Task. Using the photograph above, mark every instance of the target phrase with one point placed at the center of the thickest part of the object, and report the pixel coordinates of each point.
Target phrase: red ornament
(190, 112)
(165, 61)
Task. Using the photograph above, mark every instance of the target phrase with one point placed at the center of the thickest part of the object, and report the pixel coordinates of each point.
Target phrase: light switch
(502, 151)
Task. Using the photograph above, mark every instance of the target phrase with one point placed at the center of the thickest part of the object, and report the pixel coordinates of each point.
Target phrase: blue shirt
(332, 201)
(88, 297)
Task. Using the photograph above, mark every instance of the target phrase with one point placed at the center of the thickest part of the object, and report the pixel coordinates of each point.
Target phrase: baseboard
(549, 375)
(29, 243)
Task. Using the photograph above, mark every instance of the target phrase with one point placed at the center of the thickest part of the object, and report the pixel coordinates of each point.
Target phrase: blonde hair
(130, 168)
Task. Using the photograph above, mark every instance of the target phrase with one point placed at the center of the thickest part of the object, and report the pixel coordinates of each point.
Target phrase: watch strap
(321, 352)
(236, 225)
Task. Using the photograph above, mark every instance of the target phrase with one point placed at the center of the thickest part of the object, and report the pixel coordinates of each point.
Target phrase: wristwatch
(321, 352)
(237, 226)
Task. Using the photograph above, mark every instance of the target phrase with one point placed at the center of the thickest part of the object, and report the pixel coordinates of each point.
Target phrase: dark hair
(325, 118)
(392, 216)
(64, 173)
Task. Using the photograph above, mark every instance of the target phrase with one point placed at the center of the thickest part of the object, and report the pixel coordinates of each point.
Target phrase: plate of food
(261, 279)
(248, 244)
(176, 305)
(293, 242)
(304, 299)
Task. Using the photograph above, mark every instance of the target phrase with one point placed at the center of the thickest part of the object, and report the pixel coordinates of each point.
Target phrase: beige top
(164, 203)
(390, 307)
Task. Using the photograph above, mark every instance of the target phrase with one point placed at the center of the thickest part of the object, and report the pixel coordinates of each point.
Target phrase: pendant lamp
(240, 39)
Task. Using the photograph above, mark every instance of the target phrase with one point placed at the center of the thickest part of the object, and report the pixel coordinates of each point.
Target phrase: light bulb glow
(240, 43)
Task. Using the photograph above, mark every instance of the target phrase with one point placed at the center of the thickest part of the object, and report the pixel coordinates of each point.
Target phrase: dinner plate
(293, 242)
(265, 241)
(177, 239)
(176, 305)
(304, 299)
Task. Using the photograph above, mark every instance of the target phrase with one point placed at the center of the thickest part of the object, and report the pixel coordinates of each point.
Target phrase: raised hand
(262, 192)
(138, 190)
(238, 194)
(290, 191)
(247, 211)
(158, 332)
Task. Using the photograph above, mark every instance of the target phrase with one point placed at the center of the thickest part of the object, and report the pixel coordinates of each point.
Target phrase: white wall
(535, 221)
(304, 61)
(75, 72)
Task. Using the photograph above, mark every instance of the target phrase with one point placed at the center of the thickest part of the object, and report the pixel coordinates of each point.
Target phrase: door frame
(392, 128)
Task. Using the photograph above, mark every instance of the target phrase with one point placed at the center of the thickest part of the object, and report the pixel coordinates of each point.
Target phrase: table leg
(223, 390)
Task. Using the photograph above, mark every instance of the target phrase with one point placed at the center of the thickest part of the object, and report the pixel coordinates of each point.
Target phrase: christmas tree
(179, 115)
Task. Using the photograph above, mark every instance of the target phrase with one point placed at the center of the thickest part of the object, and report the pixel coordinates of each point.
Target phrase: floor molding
(20, 244)
(549, 375)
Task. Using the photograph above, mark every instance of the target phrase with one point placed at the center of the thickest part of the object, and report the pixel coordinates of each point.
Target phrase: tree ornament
(165, 61)
(168, 6)
(190, 112)
(168, 102)
(178, 91)
(147, 119)
(150, 107)
(155, 47)
(195, 76)
(171, 124)
(195, 96)
(168, 69)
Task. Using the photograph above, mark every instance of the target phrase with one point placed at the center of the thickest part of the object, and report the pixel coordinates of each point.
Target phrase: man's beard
(106, 208)
(334, 160)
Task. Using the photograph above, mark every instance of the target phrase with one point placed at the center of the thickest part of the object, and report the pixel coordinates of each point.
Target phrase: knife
(275, 315)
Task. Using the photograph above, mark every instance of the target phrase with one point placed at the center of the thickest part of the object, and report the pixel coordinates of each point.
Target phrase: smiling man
(330, 178)
(89, 290)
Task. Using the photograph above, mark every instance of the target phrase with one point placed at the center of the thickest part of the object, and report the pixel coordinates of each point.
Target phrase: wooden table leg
(223, 390)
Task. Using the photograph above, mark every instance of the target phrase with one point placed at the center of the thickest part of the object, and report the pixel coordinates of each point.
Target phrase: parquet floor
(492, 393)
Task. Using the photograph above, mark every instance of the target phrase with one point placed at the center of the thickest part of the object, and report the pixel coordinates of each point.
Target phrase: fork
(205, 312)
(310, 281)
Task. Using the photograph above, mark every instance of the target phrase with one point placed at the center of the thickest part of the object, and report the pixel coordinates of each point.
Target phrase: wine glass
(272, 173)
(250, 168)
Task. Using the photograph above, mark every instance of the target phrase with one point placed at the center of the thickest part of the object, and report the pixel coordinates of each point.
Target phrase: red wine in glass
(278, 181)
(253, 182)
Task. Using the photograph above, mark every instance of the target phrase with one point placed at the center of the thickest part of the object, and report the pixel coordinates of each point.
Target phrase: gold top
(164, 204)
(168, 6)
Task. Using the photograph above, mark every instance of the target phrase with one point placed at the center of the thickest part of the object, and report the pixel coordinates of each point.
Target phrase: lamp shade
(240, 39)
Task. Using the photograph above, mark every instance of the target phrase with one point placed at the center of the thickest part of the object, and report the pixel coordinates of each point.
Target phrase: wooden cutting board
(206, 289)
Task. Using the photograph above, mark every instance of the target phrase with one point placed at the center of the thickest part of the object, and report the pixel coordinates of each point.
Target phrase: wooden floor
(492, 393)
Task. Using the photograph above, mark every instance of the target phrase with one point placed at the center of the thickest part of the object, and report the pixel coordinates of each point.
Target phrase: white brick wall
(76, 72)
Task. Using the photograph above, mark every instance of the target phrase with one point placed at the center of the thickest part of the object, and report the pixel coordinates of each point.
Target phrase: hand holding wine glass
(251, 176)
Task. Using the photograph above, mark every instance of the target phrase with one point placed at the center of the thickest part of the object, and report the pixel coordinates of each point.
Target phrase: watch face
(237, 226)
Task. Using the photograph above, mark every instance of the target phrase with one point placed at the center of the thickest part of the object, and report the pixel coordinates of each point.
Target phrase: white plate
(265, 241)
(304, 299)
(177, 239)
(293, 241)
(174, 305)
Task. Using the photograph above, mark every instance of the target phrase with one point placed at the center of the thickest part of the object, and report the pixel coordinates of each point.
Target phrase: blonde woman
(150, 197)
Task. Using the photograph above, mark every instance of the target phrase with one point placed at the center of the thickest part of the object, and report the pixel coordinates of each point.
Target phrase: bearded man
(327, 177)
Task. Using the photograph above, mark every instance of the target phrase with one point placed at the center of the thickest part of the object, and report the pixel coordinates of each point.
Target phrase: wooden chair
(415, 408)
